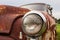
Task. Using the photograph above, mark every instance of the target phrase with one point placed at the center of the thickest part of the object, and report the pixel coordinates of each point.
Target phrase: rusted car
(27, 22)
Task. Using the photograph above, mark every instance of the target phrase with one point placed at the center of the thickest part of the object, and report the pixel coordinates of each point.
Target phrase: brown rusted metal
(10, 22)
(50, 32)
(5, 9)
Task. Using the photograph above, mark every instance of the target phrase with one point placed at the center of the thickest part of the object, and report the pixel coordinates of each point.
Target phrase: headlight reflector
(32, 23)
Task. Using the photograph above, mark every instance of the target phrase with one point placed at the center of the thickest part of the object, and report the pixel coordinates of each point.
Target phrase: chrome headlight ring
(41, 29)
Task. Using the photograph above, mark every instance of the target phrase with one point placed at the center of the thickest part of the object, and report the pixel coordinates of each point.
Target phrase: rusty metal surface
(5, 9)
(15, 32)
(10, 17)
(5, 38)
(6, 21)
(7, 16)
(50, 33)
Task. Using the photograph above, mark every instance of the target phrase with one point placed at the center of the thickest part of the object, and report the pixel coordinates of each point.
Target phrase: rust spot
(1, 29)
(2, 7)
(50, 38)
(6, 9)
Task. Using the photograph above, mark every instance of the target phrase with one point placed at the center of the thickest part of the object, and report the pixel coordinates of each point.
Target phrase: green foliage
(58, 21)
(58, 31)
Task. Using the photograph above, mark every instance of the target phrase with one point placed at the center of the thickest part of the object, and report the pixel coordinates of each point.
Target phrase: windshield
(39, 7)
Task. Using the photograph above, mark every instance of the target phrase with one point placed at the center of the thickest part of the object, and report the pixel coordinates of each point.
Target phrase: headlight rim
(42, 23)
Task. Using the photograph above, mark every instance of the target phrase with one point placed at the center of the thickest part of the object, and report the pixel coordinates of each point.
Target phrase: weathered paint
(10, 22)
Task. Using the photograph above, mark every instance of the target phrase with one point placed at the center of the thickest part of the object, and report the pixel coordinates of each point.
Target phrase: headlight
(32, 24)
